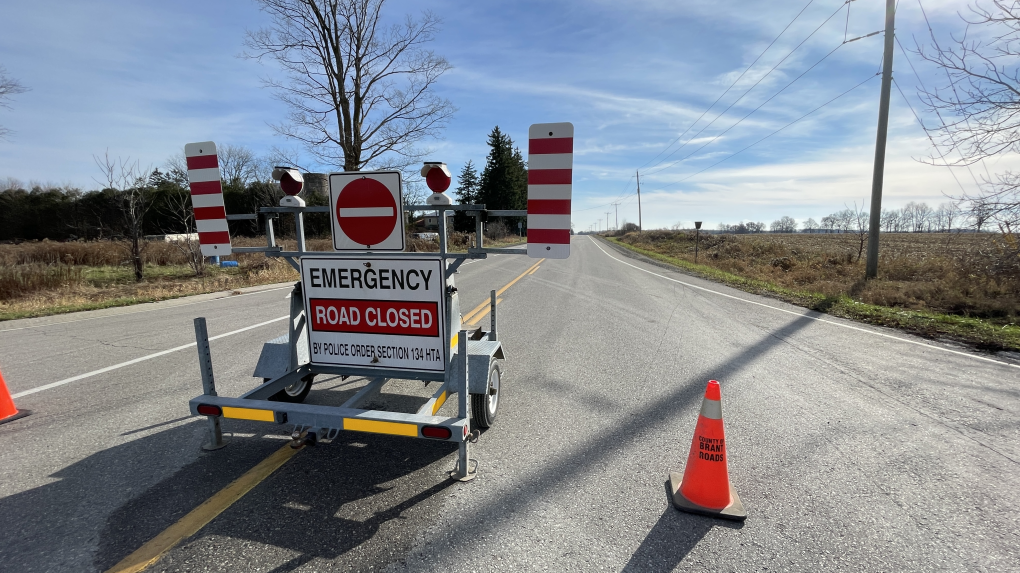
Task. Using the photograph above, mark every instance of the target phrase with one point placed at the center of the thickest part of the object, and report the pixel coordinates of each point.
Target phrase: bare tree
(178, 210)
(890, 220)
(8, 87)
(978, 104)
(124, 177)
(239, 166)
(979, 212)
(809, 225)
(784, 224)
(360, 92)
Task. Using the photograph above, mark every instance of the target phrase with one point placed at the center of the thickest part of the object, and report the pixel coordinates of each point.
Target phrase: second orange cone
(8, 412)
(705, 487)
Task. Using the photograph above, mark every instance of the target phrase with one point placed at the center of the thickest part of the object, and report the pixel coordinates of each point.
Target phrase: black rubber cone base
(21, 414)
(734, 511)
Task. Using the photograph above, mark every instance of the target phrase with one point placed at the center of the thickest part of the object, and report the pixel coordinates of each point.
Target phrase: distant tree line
(159, 200)
(914, 217)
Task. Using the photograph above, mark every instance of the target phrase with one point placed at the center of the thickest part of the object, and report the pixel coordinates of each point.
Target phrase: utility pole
(871, 270)
(607, 220)
(639, 228)
(617, 207)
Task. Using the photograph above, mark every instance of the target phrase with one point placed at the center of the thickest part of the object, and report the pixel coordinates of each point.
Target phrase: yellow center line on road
(199, 517)
(474, 321)
(190, 524)
(471, 318)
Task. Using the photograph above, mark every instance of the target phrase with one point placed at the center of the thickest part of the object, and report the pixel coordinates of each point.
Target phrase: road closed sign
(367, 211)
(375, 313)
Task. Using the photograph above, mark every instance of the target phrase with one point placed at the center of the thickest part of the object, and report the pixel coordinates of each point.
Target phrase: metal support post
(208, 382)
(464, 472)
(492, 316)
(479, 231)
(296, 324)
(299, 230)
(441, 223)
(270, 234)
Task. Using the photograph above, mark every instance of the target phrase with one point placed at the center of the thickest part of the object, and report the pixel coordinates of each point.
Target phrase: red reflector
(438, 432)
(209, 410)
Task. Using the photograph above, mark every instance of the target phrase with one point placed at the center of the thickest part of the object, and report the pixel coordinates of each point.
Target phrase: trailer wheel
(296, 392)
(484, 406)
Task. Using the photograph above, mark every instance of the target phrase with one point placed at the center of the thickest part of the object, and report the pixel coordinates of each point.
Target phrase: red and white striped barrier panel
(207, 199)
(550, 172)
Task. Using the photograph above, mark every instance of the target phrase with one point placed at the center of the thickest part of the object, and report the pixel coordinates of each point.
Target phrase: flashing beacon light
(438, 178)
(291, 182)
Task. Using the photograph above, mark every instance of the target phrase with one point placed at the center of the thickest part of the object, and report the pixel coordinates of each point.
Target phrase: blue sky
(143, 78)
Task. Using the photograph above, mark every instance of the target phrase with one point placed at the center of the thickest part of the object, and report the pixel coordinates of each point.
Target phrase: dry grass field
(936, 276)
(42, 278)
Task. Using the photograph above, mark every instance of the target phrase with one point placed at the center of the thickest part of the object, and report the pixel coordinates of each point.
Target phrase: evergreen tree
(504, 181)
(467, 184)
(467, 194)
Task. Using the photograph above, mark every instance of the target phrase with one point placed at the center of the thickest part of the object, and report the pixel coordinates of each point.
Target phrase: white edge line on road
(231, 297)
(865, 330)
(140, 359)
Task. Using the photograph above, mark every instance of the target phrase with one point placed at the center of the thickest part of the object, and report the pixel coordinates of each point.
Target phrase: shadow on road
(676, 534)
(672, 538)
(322, 503)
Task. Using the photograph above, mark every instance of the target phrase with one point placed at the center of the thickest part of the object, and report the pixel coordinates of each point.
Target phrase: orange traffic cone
(705, 487)
(7, 410)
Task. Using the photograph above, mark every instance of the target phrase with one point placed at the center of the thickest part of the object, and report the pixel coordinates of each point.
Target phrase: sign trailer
(370, 310)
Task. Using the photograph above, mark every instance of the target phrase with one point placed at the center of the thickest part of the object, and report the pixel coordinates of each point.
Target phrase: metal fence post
(208, 382)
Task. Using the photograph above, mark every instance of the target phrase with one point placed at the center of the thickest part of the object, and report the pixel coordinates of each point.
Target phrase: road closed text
(407, 318)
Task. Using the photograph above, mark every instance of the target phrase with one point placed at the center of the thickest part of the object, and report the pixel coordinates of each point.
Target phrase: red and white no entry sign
(367, 211)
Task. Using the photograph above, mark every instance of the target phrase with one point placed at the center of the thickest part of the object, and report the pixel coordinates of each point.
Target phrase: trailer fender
(480, 354)
(274, 361)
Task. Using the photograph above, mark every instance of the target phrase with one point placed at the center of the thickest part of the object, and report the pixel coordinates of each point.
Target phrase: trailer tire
(296, 392)
(485, 406)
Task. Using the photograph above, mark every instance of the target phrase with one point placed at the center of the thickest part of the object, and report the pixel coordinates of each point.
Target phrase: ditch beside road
(962, 287)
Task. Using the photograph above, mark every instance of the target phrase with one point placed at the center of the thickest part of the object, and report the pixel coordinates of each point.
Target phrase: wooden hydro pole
(875, 220)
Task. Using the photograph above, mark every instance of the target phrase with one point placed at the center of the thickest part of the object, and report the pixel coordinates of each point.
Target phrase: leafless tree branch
(360, 93)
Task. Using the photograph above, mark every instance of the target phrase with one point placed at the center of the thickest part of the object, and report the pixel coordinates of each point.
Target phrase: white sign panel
(375, 313)
(368, 211)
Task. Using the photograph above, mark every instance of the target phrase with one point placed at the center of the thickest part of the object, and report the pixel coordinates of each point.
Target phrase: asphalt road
(853, 448)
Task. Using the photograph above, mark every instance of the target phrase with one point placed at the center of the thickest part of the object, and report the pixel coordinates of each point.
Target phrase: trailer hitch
(306, 438)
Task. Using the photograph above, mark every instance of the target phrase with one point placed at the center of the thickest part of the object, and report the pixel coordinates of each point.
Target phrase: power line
(939, 115)
(709, 142)
(622, 196)
(771, 134)
(748, 90)
(953, 173)
(731, 85)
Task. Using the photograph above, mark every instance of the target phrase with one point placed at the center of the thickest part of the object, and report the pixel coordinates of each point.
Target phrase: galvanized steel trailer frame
(467, 370)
